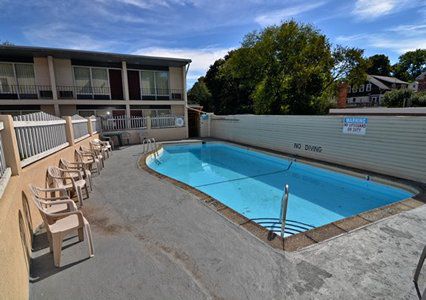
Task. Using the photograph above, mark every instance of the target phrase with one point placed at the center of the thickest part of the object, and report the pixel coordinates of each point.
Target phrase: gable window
(361, 88)
(368, 87)
(354, 89)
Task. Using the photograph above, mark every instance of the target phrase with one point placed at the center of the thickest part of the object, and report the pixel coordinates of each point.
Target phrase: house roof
(92, 56)
(377, 82)
(389, 79)
(421, 76)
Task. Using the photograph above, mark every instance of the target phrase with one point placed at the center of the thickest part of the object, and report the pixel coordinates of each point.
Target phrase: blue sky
(206, 30)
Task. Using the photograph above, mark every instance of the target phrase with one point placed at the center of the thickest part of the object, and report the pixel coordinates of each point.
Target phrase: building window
(155, 83)
(368, 87)
(91, 81)
(361, 88)
(160, 112)
(17, 78)
(148, 82)
(354, 89)
(349, 89)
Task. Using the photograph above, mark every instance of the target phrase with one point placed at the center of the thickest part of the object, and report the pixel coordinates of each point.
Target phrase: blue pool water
(252, 184)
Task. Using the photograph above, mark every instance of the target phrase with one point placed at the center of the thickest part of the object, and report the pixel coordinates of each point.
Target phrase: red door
(116, 84)
(134, 85)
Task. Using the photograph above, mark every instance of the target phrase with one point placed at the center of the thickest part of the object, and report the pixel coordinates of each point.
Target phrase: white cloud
(396, 43)
(372, 9)
(61, 36)
(201, 58)
(400, 45)
(276, 16)
(410, 29)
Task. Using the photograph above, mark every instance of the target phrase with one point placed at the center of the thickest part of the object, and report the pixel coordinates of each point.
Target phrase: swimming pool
(252, 182)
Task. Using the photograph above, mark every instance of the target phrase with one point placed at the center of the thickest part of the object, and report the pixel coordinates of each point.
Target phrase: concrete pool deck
(154, 240)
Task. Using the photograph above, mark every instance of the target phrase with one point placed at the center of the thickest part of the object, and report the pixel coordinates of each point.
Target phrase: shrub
(418, 99)
(397, 98)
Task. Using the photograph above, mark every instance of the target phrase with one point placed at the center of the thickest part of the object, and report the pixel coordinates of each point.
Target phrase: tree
(200, 94)
(229, 94)
(6, 43)
(285, 69)
(379, 64)
(410, 65)
(404, 98)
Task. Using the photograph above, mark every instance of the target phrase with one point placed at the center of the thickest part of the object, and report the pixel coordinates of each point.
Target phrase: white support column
(57, 110)
(52, 78)
(125, 81)
(184, 73)
(125, 90)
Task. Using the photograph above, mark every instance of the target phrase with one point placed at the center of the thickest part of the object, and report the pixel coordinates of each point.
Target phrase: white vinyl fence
(4, 170)
(79, 125)
(96, 124)
(167, 122)
(3, 166)
(391, 145)
(123, 122)
(38, 135)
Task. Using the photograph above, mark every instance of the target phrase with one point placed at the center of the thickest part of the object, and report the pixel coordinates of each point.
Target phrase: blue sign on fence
(355, 125)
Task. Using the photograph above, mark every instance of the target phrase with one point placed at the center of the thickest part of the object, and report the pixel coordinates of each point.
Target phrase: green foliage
(404, 98)
(418, 99)
(200, 94)
(286, 69)
(379, 64)
(228, 90)
(410, 65)
(6, 43)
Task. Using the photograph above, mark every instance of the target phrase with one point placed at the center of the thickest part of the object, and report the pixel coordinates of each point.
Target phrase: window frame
(16, 81)
(368, 87)
(156, 94)
(91, 80)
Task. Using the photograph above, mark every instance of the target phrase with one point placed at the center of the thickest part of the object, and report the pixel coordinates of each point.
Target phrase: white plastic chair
(61, 222)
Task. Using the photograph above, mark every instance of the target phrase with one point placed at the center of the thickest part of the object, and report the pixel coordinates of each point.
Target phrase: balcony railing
(26, 92)
(158, 94)
(84, 92)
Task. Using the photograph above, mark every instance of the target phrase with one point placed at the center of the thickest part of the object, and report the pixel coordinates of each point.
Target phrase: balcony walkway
(156, 241)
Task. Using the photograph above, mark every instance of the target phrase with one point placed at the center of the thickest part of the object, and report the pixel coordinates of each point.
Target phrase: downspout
(186, 98)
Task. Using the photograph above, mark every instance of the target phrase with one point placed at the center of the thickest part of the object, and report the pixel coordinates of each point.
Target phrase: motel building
(65, 82)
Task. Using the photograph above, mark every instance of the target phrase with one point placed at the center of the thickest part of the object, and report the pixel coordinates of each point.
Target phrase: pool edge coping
(307, 238)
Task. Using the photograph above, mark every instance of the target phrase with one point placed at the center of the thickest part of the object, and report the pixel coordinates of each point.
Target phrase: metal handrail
(283, 213)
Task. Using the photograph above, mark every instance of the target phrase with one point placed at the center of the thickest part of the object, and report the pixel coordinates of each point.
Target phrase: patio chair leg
(49, 238)
(89, 178)
(57, 249)
(87, 190)
(89, 239)
(80, 196)
(80, 234)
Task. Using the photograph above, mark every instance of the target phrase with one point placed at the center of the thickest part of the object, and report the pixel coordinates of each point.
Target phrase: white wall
(392, 145)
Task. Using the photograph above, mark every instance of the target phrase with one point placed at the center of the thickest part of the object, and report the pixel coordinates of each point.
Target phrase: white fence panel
(167, 122)
(96, 124)
(38, 135)
(392, 145)
(5, 172)
(3, 166)
(79, 125)
(123, 122)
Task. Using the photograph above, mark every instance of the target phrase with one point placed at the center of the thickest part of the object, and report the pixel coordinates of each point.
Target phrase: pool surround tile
(351, 223)
(297, 241)
(323, 233)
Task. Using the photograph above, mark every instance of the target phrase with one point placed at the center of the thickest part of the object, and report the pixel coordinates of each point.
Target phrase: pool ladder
(283, 213)
(149, 145)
